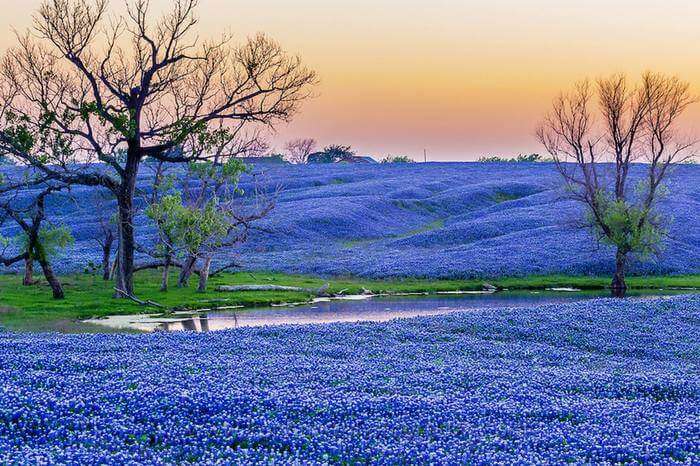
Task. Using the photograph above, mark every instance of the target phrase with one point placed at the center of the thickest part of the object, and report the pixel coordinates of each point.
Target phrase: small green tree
(47, 245)
(201, 216)
(39, 240)
(167, 212)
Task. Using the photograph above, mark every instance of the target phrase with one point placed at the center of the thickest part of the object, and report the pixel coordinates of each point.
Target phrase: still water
(375, 309)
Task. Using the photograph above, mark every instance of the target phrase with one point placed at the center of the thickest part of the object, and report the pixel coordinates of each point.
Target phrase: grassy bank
(87, 296)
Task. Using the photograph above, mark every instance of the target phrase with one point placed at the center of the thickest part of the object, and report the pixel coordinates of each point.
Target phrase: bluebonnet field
(602, 382)
(431, 220)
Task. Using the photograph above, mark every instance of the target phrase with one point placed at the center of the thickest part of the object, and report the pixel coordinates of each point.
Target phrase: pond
(354, 309)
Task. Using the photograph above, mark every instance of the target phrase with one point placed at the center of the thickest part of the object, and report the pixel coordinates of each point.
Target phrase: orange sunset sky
(460, 78)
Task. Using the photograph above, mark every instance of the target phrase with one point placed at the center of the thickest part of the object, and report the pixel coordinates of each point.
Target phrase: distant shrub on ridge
(397, 159)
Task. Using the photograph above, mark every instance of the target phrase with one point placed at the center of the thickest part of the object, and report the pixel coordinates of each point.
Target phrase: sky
(460, 79)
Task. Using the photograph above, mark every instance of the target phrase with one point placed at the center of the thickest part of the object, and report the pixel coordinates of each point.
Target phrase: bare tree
(638, 124)
(151, 88)
(298, 150)
(106, 233)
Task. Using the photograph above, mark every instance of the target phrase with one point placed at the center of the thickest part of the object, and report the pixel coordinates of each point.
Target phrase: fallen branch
(139, 301)
(323, 291)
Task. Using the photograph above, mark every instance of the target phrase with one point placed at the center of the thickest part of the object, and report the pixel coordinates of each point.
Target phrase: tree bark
(166, 274)
(186, 272)
(54, 283)
(618, 285)
(107, 255)
(127, 242)
(204, 274)
(115, 266)
(28, 279)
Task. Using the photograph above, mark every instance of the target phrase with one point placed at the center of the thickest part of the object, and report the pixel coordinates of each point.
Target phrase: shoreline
(89, 297)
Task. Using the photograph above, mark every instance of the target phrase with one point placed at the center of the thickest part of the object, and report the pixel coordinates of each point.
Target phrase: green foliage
(120, 155)
(228, 173)
(48, 145)
(125, 124)
(397, 159)
(55, 239)
(18, 132)
(87, 109)
(167, 214)
(194, 226)
(628, 227)
(186, 127)
(52, 240)
(201, 227)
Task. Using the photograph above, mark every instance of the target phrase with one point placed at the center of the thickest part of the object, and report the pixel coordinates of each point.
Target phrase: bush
(331, 154)
(397, 159)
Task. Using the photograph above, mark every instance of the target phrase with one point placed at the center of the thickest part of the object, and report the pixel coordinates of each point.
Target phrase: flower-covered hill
(596, 382)
(433, 220)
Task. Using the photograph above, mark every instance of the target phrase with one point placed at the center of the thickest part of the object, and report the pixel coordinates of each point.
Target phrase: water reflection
(199, 323)
(377, 309)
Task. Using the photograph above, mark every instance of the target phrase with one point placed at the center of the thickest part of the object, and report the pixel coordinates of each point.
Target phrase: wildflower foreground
(598, 381)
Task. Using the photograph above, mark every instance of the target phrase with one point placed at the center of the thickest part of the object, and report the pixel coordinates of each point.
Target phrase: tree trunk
(204, 274)
(127, 242)
(115, 266)
(618, 285)
(107, 255)
(28, 279)
(54, 283)
(186, 272)
(166, 273)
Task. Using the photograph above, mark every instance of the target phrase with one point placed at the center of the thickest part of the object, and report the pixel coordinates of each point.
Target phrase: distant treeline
(519, 158)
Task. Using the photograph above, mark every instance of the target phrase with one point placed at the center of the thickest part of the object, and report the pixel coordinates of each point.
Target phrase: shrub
(397, 159)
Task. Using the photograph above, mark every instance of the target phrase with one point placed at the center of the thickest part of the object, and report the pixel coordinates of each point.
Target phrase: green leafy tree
(204, 214)
(167, 212)
(39, 241)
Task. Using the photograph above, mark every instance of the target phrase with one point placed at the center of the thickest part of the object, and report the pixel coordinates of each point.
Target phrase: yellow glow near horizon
(460, 78)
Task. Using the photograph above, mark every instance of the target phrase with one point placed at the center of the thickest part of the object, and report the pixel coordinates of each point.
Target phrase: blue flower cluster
(436, 220)
(596, 382)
